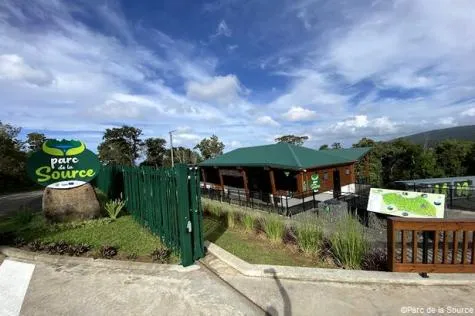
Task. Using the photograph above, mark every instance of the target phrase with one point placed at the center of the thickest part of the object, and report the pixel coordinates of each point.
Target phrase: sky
(245, 70)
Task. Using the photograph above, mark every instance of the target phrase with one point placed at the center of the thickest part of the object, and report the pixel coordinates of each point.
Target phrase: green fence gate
(167, 201)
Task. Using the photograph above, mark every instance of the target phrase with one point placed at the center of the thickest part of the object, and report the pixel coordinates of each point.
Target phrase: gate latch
(188, 226)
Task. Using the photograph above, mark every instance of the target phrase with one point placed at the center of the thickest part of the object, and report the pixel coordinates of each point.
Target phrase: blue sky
(247, 71)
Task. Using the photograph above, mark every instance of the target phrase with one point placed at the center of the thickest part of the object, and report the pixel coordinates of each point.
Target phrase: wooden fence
(431, 245)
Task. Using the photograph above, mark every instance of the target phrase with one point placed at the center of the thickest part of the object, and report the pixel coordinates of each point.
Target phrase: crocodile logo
(63, 147)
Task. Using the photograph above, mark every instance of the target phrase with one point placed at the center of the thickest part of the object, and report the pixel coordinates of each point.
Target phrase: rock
(63, 205)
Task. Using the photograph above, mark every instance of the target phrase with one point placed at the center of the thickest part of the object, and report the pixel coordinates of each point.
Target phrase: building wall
(326, 177)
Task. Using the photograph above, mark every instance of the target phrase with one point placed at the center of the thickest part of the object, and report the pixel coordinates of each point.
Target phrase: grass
(254, 248)
(274, 228)
(249, 222)
(349, 244)
(124, 233)
(309, 237)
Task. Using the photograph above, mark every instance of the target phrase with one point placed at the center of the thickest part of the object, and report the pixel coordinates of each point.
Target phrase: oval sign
(63, 164)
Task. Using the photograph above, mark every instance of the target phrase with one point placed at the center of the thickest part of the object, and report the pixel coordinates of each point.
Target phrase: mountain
(433, 137)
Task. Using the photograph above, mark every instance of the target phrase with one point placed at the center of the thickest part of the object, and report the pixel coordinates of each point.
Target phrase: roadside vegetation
(259, 237)
(116, 236)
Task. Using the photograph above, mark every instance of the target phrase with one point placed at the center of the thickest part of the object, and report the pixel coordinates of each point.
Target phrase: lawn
(124, 233)
(255, 248)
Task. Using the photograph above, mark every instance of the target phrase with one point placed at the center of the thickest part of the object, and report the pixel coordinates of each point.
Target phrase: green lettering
(55, 175)
(82, 173)
(43, 176)
(90, 173)
(74, 173)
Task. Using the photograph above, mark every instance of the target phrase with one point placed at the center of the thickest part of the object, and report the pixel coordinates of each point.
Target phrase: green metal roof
(285, 156)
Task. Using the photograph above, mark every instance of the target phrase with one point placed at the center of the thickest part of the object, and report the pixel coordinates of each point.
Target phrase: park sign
(406, 203)
(63, 164)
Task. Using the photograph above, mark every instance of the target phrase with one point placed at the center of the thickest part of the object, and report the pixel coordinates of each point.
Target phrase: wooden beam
(272, 181)
(203, 176)
(244, 179)
(221, 180)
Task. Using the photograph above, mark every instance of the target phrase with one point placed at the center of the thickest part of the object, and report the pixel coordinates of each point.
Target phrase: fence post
(184, 223)
(451, 191)
(287, 205)
(303, 202)
(390, 243)
(313, 195)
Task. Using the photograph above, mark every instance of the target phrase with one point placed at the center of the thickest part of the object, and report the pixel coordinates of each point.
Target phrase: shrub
(274, 228)
(102, 198)
(19, 242)
(215, 210)
(161, 255)
(23, 216)
(36, 245)
(113, 207)
(231, 219)
(249, 221)
(375, 260)
(107, 251)
(77, 250)
(349, 243)
(132, 256)
(309, 237)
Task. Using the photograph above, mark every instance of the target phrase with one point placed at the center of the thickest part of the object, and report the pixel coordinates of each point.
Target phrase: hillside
(437, 135)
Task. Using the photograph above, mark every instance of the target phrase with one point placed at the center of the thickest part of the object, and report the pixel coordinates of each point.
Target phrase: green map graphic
(417, 205)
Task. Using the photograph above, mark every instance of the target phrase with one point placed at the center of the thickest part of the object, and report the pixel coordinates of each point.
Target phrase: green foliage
(34, 141)
(23, 216)
(121, 146)
(349, 243)
(292, 139)
(249, 222)
(231, 219)
(274, 227)
(102, 198)
(323, 147)
(108, 251)
(113, 207)
(336, 146)
(309, 237)
(452, 157)
(155, 152)
(210, 147)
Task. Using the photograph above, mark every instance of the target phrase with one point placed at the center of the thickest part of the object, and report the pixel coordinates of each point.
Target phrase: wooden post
(390, 244)
(221, 181)
(203, 176)
(272, 181)
(244, 179)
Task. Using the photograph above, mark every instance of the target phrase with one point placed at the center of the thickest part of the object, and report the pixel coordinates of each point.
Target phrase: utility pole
(171, 146)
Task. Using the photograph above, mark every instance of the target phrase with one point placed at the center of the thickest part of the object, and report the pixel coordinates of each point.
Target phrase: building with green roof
(283, 168)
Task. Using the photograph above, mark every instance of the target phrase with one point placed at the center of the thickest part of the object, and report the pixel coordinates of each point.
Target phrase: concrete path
(11, 203)
(84, 290)
(289, 297)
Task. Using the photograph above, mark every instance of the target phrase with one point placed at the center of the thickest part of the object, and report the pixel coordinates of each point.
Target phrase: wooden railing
(431, 245)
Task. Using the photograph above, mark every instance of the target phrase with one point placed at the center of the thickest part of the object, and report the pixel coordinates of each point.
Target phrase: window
(347, 171)
(325, 175)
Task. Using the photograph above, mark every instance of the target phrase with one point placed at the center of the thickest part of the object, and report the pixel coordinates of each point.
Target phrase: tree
(292, 139)
(12, 159)
(452, 156)
(210, 147)
(182, 155)
(155, 152)
(365, 142)
(35, 141)
(121, 146)
(323, 147)
(336, 146)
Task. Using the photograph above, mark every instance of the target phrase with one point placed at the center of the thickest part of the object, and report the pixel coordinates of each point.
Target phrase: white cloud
(469, 112)
(13, 67)
(266, 120)
(221, 89)
(232, 48)
(447, 121)
(297, 113)
(222, 30)
(361, 124)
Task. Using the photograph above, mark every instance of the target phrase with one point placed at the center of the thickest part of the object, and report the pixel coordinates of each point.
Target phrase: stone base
(64, 205)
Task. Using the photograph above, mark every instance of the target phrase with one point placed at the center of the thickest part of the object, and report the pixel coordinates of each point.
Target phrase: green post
(184, 222)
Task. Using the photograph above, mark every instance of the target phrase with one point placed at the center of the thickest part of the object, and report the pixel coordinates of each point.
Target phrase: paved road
(13, 202)
(84, 290)
(291, 297)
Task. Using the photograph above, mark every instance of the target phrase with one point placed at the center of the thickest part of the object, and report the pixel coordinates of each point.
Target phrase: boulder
(63, 205)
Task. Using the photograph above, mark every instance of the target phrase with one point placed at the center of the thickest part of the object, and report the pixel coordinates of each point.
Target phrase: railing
(288, 205)
(431, 245)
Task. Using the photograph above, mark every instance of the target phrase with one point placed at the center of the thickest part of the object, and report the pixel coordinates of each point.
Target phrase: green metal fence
(166, 200)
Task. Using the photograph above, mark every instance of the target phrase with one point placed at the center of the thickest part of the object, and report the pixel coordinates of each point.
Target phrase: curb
(337, 275)
(15, 253)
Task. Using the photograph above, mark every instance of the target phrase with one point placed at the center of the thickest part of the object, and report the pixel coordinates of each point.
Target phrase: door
(336, 183)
